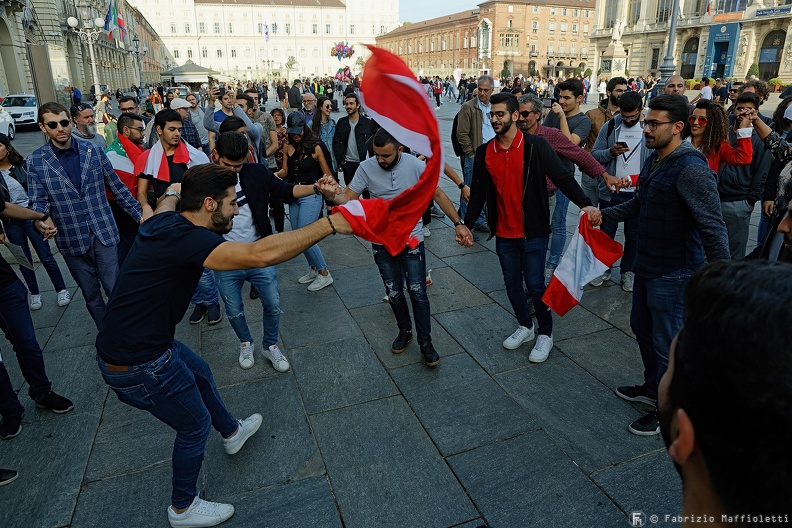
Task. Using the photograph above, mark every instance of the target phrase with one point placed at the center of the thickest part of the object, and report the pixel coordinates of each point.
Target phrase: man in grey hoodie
(680, 227)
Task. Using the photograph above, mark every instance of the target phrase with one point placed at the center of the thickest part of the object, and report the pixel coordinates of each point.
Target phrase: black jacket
(365, 128)
(763, 248)
(540, 161)
(295, 97)
(259, 184)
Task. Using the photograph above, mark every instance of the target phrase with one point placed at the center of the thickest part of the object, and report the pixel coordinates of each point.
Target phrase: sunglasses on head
(52, 125)
(701, 120)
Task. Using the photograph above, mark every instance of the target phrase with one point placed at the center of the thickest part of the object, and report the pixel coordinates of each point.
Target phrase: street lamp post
(89, 34)
(667, 68)
(137, 52)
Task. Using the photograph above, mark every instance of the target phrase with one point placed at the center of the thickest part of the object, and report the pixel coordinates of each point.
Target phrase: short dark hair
(512, 105)
(249, 100)
(572, 85)
(75, 110)
(705, 81)
(252, 90)
(762, 88)
(232, 146)
(733, 377)
(166, 115)
(630, 101)
(676, 106)
(50, 108)
(279, 111)
(352, 96)
(127, 120)
(208, 179)
(613, 82)
(231, 124)
(749, 97)
(382, 137)
(127, 99)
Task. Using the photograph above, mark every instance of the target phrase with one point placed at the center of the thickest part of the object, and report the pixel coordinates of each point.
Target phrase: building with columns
(544, 37)
(254, 39)
(724, 43)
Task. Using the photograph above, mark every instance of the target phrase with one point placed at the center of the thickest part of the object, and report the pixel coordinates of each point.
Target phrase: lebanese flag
(398, 103)
(154, 163)
(590, 254)
(123, 154)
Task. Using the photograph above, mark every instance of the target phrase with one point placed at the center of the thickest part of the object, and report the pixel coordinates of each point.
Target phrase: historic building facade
(253, 39)
(724, 43)
(546, 37)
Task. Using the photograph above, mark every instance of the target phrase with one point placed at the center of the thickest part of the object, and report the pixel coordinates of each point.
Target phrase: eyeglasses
(52, 125)
(139, 129)
(526, 113)
(499, 115)
(652, 125)
(700, 119)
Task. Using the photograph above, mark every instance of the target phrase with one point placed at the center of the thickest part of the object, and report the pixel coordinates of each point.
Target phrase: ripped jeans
(410, 264)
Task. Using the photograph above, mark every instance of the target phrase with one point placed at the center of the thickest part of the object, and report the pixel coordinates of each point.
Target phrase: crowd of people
(184, 199)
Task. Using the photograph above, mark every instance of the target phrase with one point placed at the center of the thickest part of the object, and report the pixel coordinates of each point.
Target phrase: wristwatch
(173, 193)
(459, 223)
(461, 185)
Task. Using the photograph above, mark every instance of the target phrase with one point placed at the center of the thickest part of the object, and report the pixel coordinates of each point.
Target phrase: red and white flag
(398, 103)
(590, 254)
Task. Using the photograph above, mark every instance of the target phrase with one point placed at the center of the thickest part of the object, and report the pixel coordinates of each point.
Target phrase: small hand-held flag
(590, 254)
(398, 103)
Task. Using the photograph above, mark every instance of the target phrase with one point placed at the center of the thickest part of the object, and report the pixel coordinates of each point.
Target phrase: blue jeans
(522, 261)
(17, 325)
(655, 319)
(630, 231)
(20, 232)
(467, 173)
(229, 284)
(558, 224)
(206, 291)
(96, 269)
(302, 212)
(410, 264)
(179, 390)
(765, 223)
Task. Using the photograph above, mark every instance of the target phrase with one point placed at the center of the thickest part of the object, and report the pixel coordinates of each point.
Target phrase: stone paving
(353, 435)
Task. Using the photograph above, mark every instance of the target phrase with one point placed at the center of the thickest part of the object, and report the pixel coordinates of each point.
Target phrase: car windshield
(13, 100)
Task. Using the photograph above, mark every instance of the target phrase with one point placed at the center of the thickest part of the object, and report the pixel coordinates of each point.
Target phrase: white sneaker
(276, 357)
(628, 281)
(246, 359)
(320, 282)
(63, 298)
(309, 277)
(541, 349)
(426, 232)
(386, 299)
(35, 302)
(201, 513)
(247, 428)
(520, 336)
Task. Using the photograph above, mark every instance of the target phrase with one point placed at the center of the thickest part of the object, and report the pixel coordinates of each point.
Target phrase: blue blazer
(78, 214)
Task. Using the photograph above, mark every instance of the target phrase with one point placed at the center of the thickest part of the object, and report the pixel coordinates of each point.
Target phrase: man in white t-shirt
(389, 173)
(705, 93)
(621, 148)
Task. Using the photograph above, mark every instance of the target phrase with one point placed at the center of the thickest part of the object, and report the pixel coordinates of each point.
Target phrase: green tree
(753, 70)
(587, 73)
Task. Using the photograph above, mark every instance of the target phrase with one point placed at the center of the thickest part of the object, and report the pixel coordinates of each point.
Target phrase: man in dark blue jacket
(680, 227)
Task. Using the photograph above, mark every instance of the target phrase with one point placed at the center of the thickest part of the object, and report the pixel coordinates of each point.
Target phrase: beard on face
(221, 224)
(389, 166)
(505, 126)
(614, 100)
(90, 130)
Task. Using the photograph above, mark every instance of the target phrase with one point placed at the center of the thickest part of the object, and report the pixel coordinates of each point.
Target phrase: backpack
(454, 141)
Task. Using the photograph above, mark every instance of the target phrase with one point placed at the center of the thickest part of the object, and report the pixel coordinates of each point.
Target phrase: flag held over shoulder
(590, 254)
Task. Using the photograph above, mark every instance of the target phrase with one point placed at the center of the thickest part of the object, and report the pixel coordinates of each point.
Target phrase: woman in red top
(709, 128)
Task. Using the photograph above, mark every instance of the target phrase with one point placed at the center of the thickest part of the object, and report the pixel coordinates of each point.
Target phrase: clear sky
(418, 10)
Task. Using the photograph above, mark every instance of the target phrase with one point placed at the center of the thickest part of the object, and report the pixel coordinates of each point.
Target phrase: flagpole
(668, 68)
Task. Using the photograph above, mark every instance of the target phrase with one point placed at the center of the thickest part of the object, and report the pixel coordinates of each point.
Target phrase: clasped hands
(46, 228)
(614, 183)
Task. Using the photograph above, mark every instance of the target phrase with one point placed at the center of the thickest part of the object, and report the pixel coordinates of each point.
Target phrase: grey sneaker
(628, 281)
(599, 281)
(246, 359)
(276, 357)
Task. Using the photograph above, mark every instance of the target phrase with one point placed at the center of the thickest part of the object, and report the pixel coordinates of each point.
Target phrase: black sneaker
(215, 315)
(10, 427)
(430, 355)
(55, 403)
(198, 314)
(636, 393)
(254, 294)
(7, 476)
(649, 425)
(401, 341)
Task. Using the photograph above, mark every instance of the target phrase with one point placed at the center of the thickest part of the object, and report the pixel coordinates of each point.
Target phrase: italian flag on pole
(590, 254)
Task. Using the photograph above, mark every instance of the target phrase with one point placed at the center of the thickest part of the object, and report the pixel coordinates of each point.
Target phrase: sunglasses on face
(700, 119)
(52, 125)
(526, 113)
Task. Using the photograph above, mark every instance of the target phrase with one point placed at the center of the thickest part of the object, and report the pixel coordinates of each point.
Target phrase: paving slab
(556, 392)
(443, 244)
(308, 503)
(460, 405)
(379, 328)
(482, 269)
(413, 485)
(50, 313)
(611, 303)
(360, 286)
(481, 331)
(311, 318)
(75, 327)
(340, 373)
(663, 497)
(342, 252)
(529, 481)
(50, 457)
(451, 291)
(220, 348)
(283, 450)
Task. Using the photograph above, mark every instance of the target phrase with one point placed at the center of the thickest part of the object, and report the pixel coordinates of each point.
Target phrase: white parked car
(22, 107)
(6, 124)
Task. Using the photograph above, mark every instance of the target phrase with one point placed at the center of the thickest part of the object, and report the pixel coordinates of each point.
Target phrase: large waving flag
(590, 253)
(111, 17)
(398, 103)
(121, 25)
